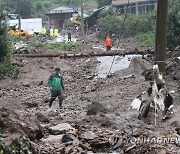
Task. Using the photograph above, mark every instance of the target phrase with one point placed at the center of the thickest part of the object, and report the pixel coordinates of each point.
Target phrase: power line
(119, 37)
(117, 47)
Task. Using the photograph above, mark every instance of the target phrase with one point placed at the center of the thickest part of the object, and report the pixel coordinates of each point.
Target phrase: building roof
(121, 2)
(62, 9)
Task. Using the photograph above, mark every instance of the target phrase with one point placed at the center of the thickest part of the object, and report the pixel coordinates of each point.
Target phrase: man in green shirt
(56, 83)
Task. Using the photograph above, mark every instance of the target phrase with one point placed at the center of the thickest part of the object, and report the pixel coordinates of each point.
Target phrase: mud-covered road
(97, 115)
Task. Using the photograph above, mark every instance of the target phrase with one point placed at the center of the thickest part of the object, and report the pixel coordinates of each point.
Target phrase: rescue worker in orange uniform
(108, 43)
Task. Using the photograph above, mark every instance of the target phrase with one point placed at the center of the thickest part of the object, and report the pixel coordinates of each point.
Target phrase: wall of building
(136, 8)
(57, 20)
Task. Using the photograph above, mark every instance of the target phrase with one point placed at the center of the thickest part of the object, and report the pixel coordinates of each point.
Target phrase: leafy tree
(109, 22)
(102, 3)
(4, 49)
(173, 38)
(25, 7)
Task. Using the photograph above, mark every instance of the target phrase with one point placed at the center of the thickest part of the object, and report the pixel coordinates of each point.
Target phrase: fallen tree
(91, 54)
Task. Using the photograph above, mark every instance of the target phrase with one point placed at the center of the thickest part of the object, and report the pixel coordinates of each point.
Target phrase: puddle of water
(120, 63)
(136, 103)
(104, 49)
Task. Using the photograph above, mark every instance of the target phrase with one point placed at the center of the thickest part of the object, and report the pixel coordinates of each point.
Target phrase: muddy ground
(96, 111)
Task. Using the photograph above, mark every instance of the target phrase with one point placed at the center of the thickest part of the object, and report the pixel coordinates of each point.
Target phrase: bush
(3, 37)
(109, 22)
(173, 34)
(148, 38)
(126, 26)
(140, 24)
(7, 69)
(20, 145)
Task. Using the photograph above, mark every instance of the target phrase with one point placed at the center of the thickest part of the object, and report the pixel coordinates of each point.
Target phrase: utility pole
(82, 18)
(161, 34)
(19, 16)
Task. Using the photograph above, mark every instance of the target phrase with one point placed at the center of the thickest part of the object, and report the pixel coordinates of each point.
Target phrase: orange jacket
(108, 42)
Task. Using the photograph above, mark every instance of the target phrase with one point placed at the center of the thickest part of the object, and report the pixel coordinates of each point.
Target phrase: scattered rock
(60, 129)
(69, 150)
(40, 83)
(162, 151)
(95, 108)
(100, 145)
(128, 130)
(41, 117)
(90, 77)
(66, 138)
(89, 135)
(14, 123)
(137, 132)
(17, 63)
(26, 84)
(53, 138)
(31, 105)
(148, 74)
(84, 146)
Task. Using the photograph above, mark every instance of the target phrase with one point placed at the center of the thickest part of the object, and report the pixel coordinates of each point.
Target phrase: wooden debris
(91, 54)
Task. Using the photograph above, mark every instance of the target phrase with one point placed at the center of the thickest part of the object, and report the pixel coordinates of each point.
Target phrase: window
(141, 8)
(150, 7)
(133, 9)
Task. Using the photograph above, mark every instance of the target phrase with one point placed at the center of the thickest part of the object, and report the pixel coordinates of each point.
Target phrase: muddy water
(120, 63)
(104, 49)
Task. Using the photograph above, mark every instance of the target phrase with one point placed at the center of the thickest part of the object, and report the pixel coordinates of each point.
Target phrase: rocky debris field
(97, 116)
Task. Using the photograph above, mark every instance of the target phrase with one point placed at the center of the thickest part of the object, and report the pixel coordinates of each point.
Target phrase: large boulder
(61, 129)
(13, 123)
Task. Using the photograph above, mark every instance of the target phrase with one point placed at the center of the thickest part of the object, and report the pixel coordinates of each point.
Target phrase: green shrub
(148, 38)
(173, 35)
(126, 25)
(18, 146)
(139, 24)
(7, 69)
(4, 44)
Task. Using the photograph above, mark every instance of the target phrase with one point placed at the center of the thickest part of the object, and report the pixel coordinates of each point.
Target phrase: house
(134, 7)
(58, 15)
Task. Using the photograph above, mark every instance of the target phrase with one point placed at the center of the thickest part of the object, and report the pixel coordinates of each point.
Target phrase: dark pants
(108, 48)
(54, 95)
(69, 38)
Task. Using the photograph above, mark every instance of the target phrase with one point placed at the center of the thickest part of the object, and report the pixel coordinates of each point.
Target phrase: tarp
(76, 21)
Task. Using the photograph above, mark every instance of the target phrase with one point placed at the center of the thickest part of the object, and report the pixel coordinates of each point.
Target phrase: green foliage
(7, 69)
(39, 8)
(68, 46)
(139, 24)
(2, 130)
(148, 38)
(18, 146)
(173, 38)
(25, 7)
(4, 47)
(102, 3)
(109, 22)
